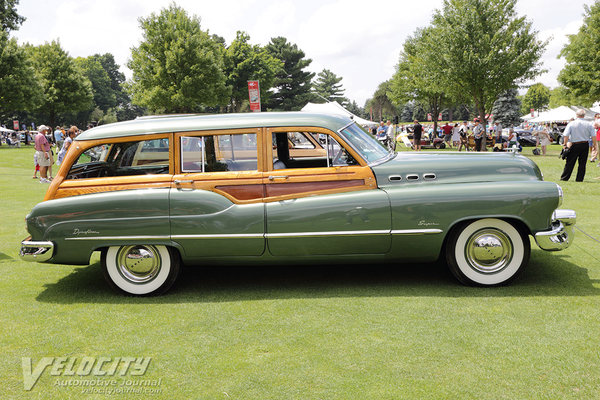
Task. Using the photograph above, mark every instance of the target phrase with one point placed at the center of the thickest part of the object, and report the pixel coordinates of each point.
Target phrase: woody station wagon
(157, 193)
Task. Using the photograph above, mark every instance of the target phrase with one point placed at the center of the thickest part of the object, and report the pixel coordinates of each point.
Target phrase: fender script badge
(426, 223)
(76, 232)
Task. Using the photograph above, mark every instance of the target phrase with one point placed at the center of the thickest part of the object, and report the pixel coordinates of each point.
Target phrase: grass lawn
(362, 332)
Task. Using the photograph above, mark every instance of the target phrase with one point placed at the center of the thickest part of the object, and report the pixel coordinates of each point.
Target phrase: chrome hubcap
(138, 264)
(489, 251)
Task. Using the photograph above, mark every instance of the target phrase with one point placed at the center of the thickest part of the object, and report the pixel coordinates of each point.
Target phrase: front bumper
(561, 234)
(36, 251)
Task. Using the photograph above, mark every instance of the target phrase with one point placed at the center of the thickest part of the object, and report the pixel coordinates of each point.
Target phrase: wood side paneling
(243, 192)
(283, 189)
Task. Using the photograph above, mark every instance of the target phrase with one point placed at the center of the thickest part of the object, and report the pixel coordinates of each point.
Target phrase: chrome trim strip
(331, 233)
(224, 236)
(416, 231)
(118, 238)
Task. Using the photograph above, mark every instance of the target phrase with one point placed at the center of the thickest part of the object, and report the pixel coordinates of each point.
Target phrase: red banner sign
(254, 94)
(428, 117)
(532, 112)
(440, 117)
(16, 125)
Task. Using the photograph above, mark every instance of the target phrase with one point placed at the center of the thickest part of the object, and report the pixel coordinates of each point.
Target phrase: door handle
(273, 177)
(178, 182)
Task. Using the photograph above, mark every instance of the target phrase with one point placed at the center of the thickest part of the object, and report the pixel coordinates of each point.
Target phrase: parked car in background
(155, 194)
(526, 137)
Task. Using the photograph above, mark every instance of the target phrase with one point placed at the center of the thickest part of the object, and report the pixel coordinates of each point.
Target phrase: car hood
(455, 167)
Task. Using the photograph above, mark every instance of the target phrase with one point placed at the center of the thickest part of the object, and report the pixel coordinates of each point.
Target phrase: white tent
(333, 107)
(528, 117)
(5, 129)
(561, 114)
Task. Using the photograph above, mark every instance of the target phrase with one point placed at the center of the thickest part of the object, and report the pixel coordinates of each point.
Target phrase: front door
(321, 198)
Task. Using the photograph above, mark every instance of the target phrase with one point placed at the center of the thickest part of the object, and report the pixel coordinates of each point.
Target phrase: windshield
(369, 148)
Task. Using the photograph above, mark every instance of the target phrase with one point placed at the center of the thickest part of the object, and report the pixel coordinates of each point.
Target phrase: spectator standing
(463, 132)
(381, 131)
(478, 133)
(72, 132)
(447, 130)
(596, 148)
(43, 152)
(576, 138)
(455, 135)
(58, 138)
(417, 132)
(544, 139)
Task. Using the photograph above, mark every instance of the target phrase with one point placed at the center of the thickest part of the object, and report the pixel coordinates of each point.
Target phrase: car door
(324, 200)
(216, 201)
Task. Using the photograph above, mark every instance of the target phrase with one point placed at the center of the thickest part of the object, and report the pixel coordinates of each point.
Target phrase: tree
(507, 109)
(561, 96)
(104, 96)
(177, 67)
(292, 85)
(19, 87)
(9, 19)
(381, 104)
(64, 87)
(581, 74)
(537, 97)
(244, 62)
(419, 76)
(487, 49)
(355, 109)
(327, 85)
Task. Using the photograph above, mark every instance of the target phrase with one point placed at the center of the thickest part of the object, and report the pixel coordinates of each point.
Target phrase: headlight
(560, 195)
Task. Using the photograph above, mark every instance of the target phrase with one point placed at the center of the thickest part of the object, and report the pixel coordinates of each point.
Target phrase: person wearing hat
(44, 155)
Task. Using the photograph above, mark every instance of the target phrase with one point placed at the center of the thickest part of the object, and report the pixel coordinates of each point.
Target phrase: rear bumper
(36, 251)
(561, 234)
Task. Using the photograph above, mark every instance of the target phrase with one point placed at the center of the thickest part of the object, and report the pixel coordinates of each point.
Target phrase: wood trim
(90, 185)
(77, 191)
(243, 192)
(283, 189)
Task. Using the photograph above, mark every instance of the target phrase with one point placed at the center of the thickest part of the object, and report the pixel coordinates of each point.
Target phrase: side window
(308, 150)
(122, 159)
(215, 153)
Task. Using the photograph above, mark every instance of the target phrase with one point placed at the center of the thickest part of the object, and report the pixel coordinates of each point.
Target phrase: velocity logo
(84, 366)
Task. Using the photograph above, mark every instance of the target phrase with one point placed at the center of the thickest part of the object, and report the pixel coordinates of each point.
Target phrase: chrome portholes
(138, 263)
(488, 251)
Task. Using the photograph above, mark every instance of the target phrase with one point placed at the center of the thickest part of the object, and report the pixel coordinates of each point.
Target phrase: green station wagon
(158, 193)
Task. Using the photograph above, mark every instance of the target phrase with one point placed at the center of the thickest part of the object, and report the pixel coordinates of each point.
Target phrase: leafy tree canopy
(9, 19)
(20, 89)
(178, 67)
(537, 97)
(65, 88)
(104, 96)
(581, 74)
(485, 49)
(245, 62)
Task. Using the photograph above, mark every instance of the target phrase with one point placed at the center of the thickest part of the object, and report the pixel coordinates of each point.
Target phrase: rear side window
(217, 153)
(123, 159)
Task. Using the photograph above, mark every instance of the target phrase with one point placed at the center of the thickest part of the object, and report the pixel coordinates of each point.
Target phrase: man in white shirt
(576, 138)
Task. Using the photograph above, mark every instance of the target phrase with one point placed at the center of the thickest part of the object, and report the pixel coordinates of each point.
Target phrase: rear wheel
(487, 252)
(140, 269)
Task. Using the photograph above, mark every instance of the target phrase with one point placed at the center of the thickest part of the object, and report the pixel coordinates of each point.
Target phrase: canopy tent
(561, 114)
(5, 129)
(333, 107)
(528, 117)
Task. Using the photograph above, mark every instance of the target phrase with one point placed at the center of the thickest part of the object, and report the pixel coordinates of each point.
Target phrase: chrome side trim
(331, 233)
(36, 251)
(224, 236)
(119, 238)
(416, 231)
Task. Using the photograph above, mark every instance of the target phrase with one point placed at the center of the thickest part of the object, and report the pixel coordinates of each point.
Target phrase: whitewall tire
(140, 269)
(487, 252)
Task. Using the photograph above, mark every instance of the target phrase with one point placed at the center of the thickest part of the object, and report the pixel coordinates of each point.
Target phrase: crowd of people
(46, 141)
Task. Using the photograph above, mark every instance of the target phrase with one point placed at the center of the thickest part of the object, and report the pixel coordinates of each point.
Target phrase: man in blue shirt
(576, 138)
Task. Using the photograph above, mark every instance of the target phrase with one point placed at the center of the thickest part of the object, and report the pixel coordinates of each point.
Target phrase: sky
(355, 39)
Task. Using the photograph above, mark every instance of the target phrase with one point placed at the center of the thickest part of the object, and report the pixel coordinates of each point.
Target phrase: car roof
(189, 123)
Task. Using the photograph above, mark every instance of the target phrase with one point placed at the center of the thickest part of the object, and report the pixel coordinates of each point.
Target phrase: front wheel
(140, 269)
(487, 252)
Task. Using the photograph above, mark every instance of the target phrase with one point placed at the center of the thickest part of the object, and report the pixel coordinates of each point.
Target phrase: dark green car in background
(158, 193)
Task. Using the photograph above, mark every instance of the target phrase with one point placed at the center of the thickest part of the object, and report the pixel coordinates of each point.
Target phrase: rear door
(216, 201)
